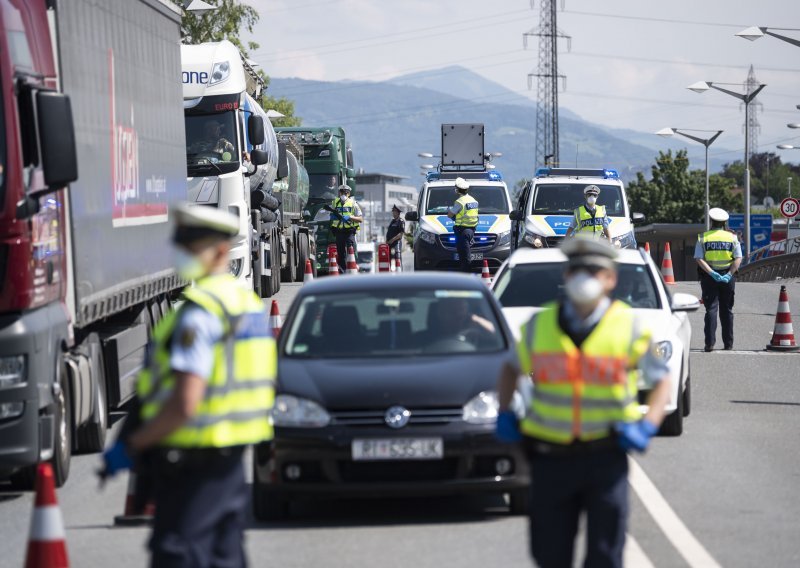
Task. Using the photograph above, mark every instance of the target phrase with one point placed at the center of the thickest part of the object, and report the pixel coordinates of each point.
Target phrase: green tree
(768, 175)
(674, 194)
(228, 21)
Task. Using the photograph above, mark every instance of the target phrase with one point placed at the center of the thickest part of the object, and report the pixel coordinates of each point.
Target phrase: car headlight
(628, 240)
(295, 412)
(663, 350)
(427, 236)
(533, 239)
(503, 238)
(12, 371)
(482, 409)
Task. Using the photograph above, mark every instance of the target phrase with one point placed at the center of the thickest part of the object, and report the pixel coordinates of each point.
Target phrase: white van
(365, 257)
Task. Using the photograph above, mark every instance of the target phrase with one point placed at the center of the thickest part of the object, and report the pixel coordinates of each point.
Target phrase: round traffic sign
(790, 207)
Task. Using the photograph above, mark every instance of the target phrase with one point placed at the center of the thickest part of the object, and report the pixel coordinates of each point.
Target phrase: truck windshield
(211, 143)
(491, 199)
(563, 198)
(323, 187)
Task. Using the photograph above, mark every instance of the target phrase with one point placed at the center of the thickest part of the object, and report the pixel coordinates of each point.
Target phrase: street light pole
(666, 132)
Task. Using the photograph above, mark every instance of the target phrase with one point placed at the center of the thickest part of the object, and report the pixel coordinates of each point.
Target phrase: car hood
(442, 224)
(557, 225)
(340, 384)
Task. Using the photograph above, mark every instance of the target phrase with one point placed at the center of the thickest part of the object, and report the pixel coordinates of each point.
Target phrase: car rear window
(391, 322)
(526, 285)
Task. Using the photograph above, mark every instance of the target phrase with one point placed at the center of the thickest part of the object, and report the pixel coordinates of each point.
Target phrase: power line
(663, 20)
(674, 62)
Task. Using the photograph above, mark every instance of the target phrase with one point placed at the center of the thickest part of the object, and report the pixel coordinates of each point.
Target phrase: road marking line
(634, 555)
(665, 517)
(737, 352)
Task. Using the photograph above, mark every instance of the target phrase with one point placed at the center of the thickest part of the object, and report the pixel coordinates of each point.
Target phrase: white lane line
(665, 517)
(742, 352)
(634, 555)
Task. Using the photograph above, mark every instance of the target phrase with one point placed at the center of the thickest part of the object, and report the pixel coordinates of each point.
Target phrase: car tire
(673, 423)
(687, 397)
(268, 505)
(518, 501)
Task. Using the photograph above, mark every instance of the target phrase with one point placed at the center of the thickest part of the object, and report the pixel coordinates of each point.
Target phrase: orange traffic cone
(333, 267)
(47, 547)
(275, 319)
(398, 264)
(352, 267)
(138, 510)
(485, 274)
(783, 334)
(666, 266)
(309, 275)
(647, 247)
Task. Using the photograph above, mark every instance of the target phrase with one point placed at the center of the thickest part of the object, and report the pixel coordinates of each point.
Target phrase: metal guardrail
(780, 259)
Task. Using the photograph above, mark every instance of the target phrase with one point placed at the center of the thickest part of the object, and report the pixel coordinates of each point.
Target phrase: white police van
(547, 204)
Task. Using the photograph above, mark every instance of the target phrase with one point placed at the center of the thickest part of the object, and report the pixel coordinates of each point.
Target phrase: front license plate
(398, 449)
(472, 256)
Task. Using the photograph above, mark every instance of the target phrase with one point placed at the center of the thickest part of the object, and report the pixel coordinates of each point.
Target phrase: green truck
(329, 160)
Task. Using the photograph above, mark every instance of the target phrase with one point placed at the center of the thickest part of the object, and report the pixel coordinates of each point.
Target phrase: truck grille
(481, 241)
(376, 417)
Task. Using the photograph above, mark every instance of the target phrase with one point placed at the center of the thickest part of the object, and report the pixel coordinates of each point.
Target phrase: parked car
(365, 257)
(389, 391)
(531, 278)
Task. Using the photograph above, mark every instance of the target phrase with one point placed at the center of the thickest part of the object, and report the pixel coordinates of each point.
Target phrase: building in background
(376, 193)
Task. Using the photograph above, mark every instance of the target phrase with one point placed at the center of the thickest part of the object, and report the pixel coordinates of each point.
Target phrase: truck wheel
(268, 505)
(91, 437)
(62, 417)
(302, 255)
(289, 272)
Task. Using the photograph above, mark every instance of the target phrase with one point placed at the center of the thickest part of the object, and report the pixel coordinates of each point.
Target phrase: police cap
(344, 188)
(591, 189)
(584, 252)
(461, 184)
(197, 222)
(396, 208)
(717, 214)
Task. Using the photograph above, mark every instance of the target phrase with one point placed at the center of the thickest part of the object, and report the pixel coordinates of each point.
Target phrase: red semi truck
(92, 155)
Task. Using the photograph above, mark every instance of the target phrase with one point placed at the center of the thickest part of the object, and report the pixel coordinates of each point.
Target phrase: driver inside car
(450, 318)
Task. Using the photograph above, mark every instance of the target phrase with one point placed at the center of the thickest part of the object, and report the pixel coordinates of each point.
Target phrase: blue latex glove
(727, 278)
(635, 435)
(116, 459)
(346, 218)
(716, 276)
(507, 428)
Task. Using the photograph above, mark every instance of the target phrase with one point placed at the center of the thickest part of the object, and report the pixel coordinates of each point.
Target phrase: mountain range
(389, 122)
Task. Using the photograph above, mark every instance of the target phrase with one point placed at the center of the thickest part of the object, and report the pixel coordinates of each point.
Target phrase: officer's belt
(535, 447)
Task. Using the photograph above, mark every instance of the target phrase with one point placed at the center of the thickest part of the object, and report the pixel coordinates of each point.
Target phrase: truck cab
(547, 204)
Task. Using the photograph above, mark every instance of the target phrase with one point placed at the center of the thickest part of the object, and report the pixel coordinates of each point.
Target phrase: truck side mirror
(255, 130)
(56, 139)
(515, 215)
(283, 162)
(258, 157)
(412, 216)
(638, 218)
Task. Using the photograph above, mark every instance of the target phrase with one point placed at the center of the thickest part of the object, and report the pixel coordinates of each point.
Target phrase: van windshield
(491, 199)
(563, 198)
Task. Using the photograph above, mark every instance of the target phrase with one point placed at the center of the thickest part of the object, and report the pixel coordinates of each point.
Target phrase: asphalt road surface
(726, 493)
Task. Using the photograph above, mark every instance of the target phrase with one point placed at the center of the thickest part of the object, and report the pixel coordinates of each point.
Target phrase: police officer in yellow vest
(718, 255)
(590, 218)
(582, 355)
(345, 223)
(464, 213)
(206, 394)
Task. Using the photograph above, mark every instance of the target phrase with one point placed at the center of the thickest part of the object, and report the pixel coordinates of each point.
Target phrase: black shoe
(729, 347)
(708, 348)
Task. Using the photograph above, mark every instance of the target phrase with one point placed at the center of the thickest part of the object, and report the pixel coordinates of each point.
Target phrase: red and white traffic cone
(139, 510)
(783, 334)
(275, 322)
(333, 267)
(486, 276)
(398, 264)
(352, 267)
(47, 547)
(309, 274)
(647, 247)
(666, 266)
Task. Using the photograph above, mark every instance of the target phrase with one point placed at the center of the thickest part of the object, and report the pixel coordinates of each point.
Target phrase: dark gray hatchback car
(386, 386)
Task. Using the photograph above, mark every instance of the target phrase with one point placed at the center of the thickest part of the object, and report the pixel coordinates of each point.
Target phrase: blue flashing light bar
(490, 175)
(605, 173)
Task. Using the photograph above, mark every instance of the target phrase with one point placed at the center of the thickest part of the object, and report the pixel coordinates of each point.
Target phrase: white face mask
(582, 288)
(189, 266)
(591, 200)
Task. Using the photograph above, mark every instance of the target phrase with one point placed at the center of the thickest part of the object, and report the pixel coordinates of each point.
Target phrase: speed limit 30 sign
(790, 207)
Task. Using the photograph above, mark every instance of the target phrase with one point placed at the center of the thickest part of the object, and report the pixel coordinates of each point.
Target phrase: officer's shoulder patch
(187, 338)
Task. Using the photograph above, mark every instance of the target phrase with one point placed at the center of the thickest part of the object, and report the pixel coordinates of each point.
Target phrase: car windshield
(211, 143)
(323, 187)
(364, 256)
(491, 199)
(533, 285)
(563, 198)
(383, 323)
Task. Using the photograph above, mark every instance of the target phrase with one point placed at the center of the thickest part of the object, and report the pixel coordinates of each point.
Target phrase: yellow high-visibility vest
(579, 393)
(718, 246)
(240, 393)
(344, 207)
(467, 216)
(586, 222)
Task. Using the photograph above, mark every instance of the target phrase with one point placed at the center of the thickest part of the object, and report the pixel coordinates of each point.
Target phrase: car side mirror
(255, 130)
(412, 216)
(638, 218)
(56, 139)
(258, 157)
(515, 215)
(684, 303)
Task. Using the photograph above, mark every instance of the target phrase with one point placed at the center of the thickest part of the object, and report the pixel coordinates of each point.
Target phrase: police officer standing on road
(718, 255)
(590, 218)
(464, 213)
(199, 407)
(345, 223)
(395, 232)
(582, 355)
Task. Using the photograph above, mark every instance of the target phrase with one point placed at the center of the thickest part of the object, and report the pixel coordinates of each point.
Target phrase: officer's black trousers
(200, 512)
(718, 297)
(564, 486)
(464, 240)
(344, 240)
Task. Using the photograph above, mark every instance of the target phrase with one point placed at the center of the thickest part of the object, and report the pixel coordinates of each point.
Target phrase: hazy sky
(628, 67)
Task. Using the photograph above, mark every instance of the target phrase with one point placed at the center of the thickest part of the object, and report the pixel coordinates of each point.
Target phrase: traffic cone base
(47, 547)
(666, 266)
(352, 266)
(309, 273)
(134, 515)
(783, 334)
